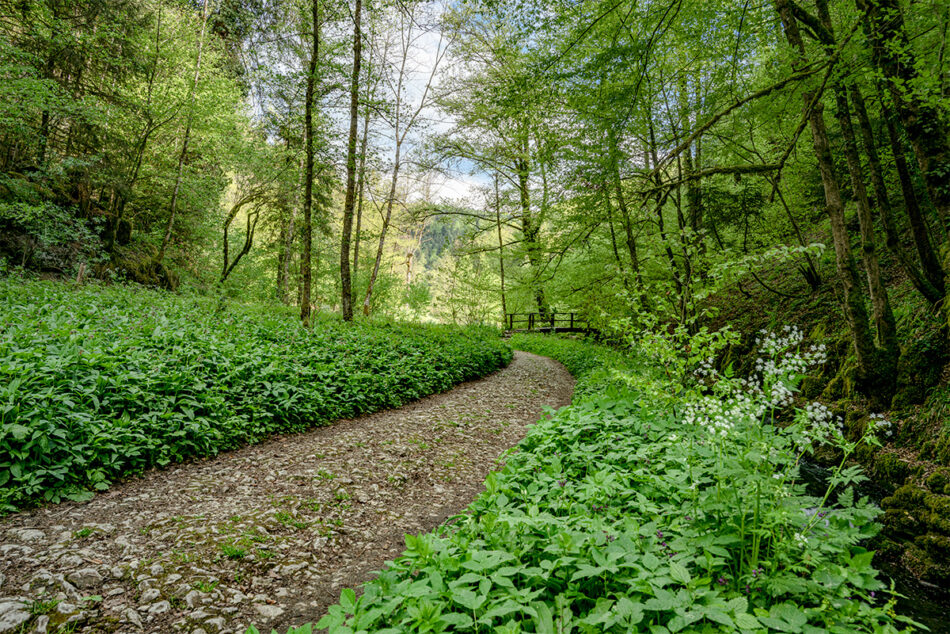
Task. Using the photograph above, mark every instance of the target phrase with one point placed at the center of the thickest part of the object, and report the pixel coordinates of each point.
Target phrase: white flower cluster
(773, 344)
(783, 360)
(719, 416)
(820, 425)
(706, 370)
(877, 423)
(747, 400)
(780, 395)
(780, 358)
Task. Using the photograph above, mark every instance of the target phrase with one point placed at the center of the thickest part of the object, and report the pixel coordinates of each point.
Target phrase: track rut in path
(271, 533)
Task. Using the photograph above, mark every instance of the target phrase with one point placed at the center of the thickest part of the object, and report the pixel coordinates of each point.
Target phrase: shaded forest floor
(270, 534)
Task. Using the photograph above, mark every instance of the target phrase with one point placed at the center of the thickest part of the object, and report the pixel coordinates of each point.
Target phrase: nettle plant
(680, 514)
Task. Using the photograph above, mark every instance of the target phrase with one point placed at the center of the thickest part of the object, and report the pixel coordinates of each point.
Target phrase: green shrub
(100, 382)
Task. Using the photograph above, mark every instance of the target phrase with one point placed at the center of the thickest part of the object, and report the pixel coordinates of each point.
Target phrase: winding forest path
(270, 534)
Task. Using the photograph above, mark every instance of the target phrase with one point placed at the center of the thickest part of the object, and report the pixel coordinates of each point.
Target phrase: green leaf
(745, 621)
(679, 573)
(457, 619)
(468, 599)
(19, 432)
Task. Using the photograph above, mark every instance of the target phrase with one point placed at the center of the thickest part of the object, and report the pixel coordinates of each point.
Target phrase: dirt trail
(271, 533)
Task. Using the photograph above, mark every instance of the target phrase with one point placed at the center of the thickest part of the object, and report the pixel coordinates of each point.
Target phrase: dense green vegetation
(674, 506)
(664, 166)
(100, 382)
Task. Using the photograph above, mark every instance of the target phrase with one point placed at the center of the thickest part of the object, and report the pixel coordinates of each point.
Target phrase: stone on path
(86, 578)
(13, 614)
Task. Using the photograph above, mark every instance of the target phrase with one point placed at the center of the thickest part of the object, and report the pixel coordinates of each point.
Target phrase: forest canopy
(637, 162)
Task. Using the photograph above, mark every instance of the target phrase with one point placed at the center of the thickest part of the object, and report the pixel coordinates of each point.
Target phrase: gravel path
(271, 533)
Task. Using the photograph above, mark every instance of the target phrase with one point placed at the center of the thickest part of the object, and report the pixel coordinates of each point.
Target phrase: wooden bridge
(546, 322)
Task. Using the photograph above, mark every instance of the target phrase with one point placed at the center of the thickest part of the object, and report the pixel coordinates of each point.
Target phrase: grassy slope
(99, 382)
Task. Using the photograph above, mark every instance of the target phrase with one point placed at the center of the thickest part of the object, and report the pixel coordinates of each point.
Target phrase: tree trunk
(530, 232)
(613, 238)
(529, 228)
(360, 186)
(924, 122)
(248, 242)
(921, 279)
(884, 322)
(853, 302)
(660, 200)
(630, 239)
(173, 207)
(501, 251)
(809, 270)
(387, 219)
(307, 237)
(346, 284)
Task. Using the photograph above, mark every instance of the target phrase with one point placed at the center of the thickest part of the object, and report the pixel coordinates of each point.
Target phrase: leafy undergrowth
(99, 382)
(601, 371)
(646, 513)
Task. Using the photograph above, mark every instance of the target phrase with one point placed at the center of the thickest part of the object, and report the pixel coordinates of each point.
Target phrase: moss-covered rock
(886, 548)
(920, 366)
(938, 449)
(889, 471)
(901, 523)
(938, 480)
(905, 513)
(924, 566)
(843, 384)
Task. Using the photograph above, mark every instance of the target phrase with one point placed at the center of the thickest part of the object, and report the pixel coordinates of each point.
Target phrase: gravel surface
(271, 533)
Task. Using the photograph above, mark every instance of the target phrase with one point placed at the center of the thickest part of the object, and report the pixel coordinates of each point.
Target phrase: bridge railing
(558, 322)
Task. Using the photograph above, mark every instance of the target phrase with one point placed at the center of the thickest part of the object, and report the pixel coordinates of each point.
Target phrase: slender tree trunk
(248, 243)
(613, 238)
(387, 219)
(924, 122)
(922, 279)
(630, 238)
(118, 201)
(884, 322)
(501, 252)
(307, 237)
(346, 284)
(530, 232)
(661, 224)
(853, 302)
(360, 186)
(173, 207)
(809, 270)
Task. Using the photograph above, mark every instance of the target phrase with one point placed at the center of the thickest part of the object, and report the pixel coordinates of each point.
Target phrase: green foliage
(50, 236)
(618, 515)
(97, 382)
(600, 370)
